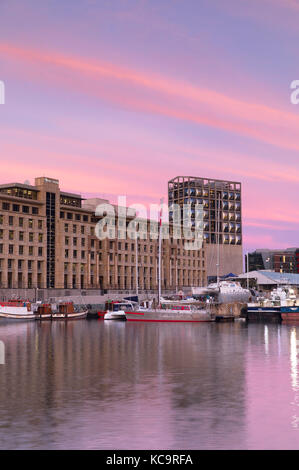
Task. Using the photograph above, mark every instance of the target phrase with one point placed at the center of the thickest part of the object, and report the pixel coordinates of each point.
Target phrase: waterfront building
(280, 261)
(48, 240)
(265, 280)
(222, 205)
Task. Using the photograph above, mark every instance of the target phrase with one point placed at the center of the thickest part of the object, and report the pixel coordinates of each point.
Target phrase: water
(100, 385)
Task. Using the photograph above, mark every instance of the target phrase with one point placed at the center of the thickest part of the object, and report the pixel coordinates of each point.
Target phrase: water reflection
(92, 384)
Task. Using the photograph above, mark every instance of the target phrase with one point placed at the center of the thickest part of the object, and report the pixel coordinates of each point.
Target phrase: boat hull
(17, 317)
(258, 313)
(115, 316)
(168, 316)
(290, 313)
(62, 316)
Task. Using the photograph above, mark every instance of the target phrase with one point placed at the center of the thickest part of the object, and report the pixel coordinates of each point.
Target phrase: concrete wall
(231, 259)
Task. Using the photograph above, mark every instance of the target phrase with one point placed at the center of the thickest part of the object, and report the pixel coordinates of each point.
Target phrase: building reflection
(185, 380)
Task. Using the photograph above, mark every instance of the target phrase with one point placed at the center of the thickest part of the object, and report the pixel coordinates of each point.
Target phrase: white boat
(119, 315)
(16, 310)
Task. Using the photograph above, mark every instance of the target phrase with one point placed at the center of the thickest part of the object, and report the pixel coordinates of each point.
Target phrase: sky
(116, 97)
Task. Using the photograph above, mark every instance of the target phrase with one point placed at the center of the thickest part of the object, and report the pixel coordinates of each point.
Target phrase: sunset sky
(116, 97)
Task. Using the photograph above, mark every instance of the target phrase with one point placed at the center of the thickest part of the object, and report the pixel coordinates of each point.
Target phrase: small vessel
(225, 292)
(115, 310)
(276, 306)
(16, 310)
(60, 311)
(119, 315)
(290, 313)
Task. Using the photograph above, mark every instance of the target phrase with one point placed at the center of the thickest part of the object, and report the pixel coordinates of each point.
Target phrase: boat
(119, 315)
(60, 311)
(170, 313)
(273, 307)
(16, 310)
(115, 310)
(290, 313)
(224, 292)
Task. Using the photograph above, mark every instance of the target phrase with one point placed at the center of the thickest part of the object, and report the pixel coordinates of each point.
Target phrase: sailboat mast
(218, 241)
(136, 264)
(160, 251)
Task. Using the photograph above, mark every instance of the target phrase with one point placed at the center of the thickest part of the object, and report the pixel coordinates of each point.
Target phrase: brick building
(48, 240)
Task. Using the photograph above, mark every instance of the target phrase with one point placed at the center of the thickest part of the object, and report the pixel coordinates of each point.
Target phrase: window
(30, 223)
(31, 236)
(10, 249)
(78, 217)
(21, 236)
(10, 220)
(5, 206)
(40, 251)
(69, 215)
(66, 240)
(1, 219)
(74, 228)
(74, 253)
(66, 253)
(21, 221)
(82, 229)
(82, 254)
(85, 218)
(35, 210)
(40, 238)
(40, 224)
(21, 250)
(83, 242)
(75, 241)
(16, 207)
(1, 233)
(61, 214)
(30, 250)
(10, 235)
(25, 209)
(66, 227)
(1, 248)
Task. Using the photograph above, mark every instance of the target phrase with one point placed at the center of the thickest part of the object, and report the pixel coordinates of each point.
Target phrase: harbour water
(92, 384)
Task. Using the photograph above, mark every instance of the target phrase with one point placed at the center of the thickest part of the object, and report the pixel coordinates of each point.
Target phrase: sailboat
(167, 311)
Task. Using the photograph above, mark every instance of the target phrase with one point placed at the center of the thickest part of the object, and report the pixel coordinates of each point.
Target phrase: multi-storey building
(48, 240)
(280, 261)
(222, 217)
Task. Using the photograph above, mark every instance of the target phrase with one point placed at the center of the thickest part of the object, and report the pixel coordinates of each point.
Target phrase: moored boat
(61, 311)
(290, 313)
(175, 313)
(119, 315)
(16, 310)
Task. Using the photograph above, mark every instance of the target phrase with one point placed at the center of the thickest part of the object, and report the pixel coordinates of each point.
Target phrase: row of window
(71, 216)
(22, 264)
(21, 249)
(7, 206)
(69, 241)
(75, 228)
(32, 236)
(20, 222)
(75, 253)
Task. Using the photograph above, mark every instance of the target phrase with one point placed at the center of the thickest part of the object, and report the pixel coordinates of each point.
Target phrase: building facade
(280, 261)
(48, 240)
(222, 217)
